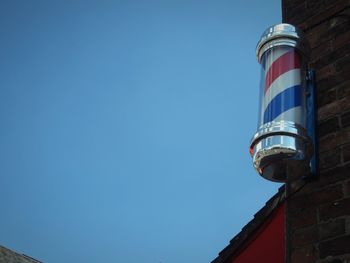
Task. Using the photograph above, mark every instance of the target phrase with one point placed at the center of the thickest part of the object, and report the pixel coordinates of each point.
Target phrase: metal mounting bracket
(311, 114)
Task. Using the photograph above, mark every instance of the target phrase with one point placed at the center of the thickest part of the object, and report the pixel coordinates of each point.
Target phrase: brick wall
(318, 228)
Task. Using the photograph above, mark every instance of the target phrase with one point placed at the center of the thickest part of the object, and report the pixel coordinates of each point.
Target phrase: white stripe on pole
(293, 115)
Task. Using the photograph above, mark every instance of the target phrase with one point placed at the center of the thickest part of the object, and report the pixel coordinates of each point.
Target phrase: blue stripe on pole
(287, 99)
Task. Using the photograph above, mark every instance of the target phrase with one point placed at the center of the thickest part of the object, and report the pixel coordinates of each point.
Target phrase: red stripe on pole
(284, 63)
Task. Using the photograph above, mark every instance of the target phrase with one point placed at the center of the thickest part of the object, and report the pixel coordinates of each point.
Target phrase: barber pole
(282, 91)
(281, 145)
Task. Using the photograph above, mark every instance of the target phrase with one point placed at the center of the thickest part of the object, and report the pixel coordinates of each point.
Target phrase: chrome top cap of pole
(282, 34)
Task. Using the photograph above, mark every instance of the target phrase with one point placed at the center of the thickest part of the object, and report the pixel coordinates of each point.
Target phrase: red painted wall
(268, 244)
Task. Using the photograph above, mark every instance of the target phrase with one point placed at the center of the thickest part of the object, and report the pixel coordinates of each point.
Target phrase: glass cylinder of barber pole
(281, 149)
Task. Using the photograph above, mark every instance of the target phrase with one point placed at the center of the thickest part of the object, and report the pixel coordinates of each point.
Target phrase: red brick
(322, 13)
(304, 236)
(346, 153)
(326, 97)
(303, 218)
(343, 90)
(325, 71)
(331, 229)
(293, 13)
(328, 126)
(334, 27)
(331, 82)
(313, 36)
(331, 259)
(347, 188)
(335, 209)
(329, 159)
(327, 58)
(291, 4)
(334, 140)
(332, 176)
(335, 108)
(345, 119)
(316, 198)
(335, 247)
(314, 4)
(305, 255)
(340, 40)
(343, 64)
(326, 177)
(319, 51)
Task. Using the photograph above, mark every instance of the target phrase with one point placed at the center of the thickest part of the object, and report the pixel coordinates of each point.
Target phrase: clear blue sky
(125, 127)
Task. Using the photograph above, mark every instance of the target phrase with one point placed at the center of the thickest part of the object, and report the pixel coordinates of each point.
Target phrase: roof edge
(248, 231)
